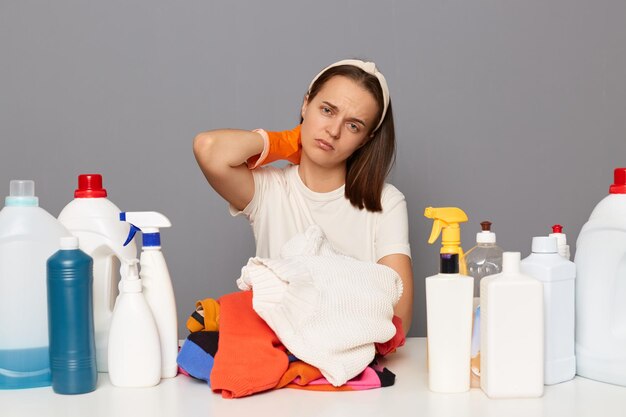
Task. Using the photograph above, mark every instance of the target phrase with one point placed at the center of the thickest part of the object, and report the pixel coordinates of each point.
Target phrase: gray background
(514, 111)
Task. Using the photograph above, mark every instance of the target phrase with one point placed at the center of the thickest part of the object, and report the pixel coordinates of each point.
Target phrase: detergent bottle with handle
(449, 297)
(29, 235)
(94, 219)
(601, 288)
(157, 284)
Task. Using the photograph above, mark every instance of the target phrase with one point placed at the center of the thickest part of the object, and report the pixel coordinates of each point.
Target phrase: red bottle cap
(619, 182)
(90, 186)
(557, 228)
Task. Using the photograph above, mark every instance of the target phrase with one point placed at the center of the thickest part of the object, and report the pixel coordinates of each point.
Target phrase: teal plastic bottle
(70, 320)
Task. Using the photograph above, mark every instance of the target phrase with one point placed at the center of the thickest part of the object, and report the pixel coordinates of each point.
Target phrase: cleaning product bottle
(601, 288)
(557, 232)
(157, 284)
(134, 348)
(70, 320)
(448, 307)
(94, 219)
(482, 260)
(29, 235)
(511, 332)
(485, 258)
(557, 275)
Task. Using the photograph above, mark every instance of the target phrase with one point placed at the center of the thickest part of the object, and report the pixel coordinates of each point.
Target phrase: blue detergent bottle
(70, 319)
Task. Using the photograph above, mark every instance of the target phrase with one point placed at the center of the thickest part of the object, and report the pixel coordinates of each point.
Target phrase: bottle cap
(69, 243)
(449, 263)
(486, 236)
(619, 181)
(557, 232)
(545, 244)
(21, 193)
(511, 261)
(90, 186)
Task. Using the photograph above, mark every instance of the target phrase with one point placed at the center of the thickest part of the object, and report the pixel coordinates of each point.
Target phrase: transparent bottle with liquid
(485, 258)
(482, 260)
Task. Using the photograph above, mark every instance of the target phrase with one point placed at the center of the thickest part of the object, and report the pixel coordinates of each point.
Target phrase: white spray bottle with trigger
(157, 284)
(449, 306)
(134, 354)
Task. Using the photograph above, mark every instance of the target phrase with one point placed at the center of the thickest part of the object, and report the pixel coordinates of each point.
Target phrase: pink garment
(367, 379)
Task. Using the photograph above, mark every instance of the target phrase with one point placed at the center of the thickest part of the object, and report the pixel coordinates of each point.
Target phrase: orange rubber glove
(278, 145)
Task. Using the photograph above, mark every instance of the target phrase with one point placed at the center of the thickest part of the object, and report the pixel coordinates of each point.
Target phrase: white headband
(371, 69)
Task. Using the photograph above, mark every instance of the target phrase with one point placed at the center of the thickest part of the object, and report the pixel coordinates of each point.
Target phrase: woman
(345, 146)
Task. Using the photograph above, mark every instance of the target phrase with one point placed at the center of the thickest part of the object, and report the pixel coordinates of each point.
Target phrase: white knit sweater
(327, 309)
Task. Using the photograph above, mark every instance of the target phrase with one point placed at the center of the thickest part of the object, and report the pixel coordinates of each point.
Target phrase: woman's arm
(402, 265)
(222, 156)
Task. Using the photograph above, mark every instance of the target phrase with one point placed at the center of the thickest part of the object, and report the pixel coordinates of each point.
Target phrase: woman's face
(337, 121)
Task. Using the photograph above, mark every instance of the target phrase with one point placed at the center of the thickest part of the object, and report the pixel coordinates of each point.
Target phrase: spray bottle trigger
(131, 234)
(434, 234)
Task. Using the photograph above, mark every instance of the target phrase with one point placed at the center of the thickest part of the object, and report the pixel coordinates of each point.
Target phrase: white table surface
(183, 396)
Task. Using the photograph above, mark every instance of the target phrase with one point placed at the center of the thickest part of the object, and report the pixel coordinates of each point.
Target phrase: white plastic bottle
(29, 235)
(557, 232)
(134, 350)
(511, 331)
(449, 327)
(601, 289)
(482, 260)
(94, 219)
(157, 284)
(557, 275)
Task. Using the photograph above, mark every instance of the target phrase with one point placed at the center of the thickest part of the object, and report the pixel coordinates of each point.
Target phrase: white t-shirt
(284, 206)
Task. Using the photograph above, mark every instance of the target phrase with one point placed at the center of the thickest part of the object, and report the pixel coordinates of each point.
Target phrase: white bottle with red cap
(557, 275)
(601, 289)
(561, 238)
(94, 219)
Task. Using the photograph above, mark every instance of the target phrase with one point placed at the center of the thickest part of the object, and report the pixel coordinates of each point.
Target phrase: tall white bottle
(601, 288)
(94, 219)
(157, 284)
(449, 327)
(557, 275)
(511, 330)
(134, 353)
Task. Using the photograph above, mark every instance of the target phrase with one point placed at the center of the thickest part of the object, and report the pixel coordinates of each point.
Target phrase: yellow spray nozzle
(445, 217)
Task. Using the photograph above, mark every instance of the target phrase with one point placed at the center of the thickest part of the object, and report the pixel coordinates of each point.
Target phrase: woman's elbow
(202, 144)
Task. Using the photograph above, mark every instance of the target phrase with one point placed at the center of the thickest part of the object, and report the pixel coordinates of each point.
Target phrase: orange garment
(249, 357)
(395, 342)
(306, 373)
(205, 317)
(278, 146)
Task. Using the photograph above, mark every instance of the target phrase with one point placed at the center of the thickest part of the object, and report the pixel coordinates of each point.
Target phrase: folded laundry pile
(313, 320)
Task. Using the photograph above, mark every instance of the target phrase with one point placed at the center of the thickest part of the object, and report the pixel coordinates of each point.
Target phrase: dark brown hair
(368, 166)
